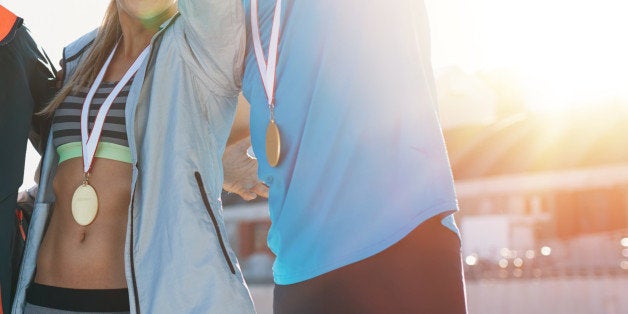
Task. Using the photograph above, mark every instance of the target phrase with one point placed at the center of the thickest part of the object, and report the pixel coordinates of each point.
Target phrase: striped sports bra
(66, 125)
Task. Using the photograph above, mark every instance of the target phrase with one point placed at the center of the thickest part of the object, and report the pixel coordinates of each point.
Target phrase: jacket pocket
(208, 207)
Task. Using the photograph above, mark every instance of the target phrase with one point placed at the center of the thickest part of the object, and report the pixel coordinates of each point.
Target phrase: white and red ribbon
(89, 141)
(268, 68)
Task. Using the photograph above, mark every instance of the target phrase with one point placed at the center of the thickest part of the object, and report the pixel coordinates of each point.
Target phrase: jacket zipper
(201, 188)
(131, 255)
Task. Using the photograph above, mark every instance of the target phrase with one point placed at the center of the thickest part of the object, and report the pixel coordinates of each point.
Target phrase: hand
(241, 172)
(26, 199)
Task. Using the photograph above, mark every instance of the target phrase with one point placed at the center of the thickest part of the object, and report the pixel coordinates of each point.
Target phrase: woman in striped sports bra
(75, 259)
(128, 216)
(66, 125)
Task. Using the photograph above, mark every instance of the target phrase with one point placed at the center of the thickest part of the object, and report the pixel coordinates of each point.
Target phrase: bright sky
(566, 51)
(57, 23)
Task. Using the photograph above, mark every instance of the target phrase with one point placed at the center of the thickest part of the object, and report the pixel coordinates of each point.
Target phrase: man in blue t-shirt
(345, 128)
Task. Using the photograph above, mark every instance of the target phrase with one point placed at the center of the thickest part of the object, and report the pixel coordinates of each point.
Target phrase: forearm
(240, 128)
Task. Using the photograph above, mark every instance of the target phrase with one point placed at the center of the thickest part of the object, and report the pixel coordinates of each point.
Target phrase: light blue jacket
(179, 113)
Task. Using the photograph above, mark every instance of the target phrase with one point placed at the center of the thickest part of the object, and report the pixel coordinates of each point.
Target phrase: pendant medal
(267, 70)
(85, 200)
(273, 143)
(84, 204)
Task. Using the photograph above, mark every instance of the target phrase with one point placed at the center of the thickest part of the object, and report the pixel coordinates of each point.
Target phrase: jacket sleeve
(43, 88)
(215, 33)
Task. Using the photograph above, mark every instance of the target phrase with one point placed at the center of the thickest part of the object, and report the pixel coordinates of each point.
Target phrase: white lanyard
(267, 69)
(89, 142)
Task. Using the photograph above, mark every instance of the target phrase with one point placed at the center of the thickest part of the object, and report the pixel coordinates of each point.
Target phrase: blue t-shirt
(363, 157)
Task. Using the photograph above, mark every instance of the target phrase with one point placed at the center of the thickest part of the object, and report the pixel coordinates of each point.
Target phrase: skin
(240, 171)
(92, 257)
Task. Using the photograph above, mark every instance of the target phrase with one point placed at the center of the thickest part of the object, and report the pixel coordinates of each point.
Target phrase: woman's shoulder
(78, 46)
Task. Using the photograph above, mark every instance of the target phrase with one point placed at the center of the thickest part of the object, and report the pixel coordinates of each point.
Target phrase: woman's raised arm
(216, 34)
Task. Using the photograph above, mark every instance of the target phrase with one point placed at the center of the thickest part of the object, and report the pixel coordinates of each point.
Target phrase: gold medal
(273, 144)
(268, 71)
(84, 204)
(85, 200)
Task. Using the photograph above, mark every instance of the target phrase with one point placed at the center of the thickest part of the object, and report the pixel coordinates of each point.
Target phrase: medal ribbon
(89, 142)
(268, 68)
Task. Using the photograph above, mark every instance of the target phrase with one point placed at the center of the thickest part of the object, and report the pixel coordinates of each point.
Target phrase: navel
(82, 235)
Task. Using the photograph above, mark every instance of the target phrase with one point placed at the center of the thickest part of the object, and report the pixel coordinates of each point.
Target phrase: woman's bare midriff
(90, 257)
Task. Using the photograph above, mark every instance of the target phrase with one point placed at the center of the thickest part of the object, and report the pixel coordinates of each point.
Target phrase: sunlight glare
(567, 52)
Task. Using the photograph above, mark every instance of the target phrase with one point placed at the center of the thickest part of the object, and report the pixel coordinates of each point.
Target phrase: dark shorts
(422, 273)
(48, 299)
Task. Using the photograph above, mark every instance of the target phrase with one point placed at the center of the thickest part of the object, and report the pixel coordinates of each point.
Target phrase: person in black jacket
(27, 82)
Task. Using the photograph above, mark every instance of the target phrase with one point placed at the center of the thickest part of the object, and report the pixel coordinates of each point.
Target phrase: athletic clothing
(104, 150)
(77, 300)
(363, 157)
(36, 309)
(183, 98)
(66, 125)
(26, 84)
(422, 273)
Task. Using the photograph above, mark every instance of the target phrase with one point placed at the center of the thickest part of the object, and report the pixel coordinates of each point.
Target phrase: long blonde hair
(87, 70)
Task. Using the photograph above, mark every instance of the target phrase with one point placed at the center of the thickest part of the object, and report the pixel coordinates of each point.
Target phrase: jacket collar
(79, 46)
(9, 23)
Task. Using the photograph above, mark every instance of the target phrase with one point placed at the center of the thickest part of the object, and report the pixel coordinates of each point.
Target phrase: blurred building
(530, 182)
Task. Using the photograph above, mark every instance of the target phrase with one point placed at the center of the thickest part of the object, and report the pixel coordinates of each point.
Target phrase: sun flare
(568, 53)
